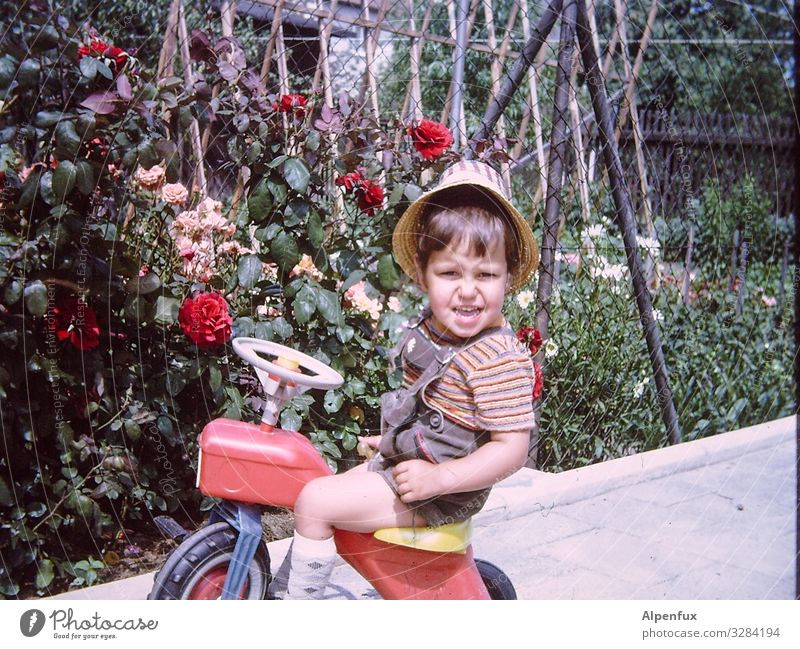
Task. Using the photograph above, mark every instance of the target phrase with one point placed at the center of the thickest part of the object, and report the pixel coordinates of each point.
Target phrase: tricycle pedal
(171, 528)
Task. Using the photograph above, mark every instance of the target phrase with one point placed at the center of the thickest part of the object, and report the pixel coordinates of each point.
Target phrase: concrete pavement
(708, 519)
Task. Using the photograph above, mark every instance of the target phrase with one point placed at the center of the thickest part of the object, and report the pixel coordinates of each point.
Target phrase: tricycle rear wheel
(496, 581)
(196, 569)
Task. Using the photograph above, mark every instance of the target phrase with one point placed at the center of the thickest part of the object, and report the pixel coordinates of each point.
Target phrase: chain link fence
(700, 95)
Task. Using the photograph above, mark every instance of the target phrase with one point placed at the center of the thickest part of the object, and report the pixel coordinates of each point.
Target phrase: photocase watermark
(66, 626)
(168, 484)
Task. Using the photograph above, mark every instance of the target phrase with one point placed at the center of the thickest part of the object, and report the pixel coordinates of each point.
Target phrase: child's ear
(420, 275)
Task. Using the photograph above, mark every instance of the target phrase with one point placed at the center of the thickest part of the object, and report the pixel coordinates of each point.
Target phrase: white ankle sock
(311, 566)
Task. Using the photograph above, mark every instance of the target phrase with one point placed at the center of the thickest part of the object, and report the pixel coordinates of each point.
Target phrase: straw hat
(477, 174)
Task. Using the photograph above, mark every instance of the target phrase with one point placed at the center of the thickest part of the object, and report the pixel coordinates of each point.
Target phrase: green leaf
(263, 331)
(175, 383)
(84, 178)
(282, 328)
(167, 309)
(333, 401)
(331, 449)
(46, 188)
(132, 429)
(290, 420)
(396, 195)
(296, 174)
(36, 298)
(277, 161)
(316, 232)
(88, 67)
(249, 271)
(214, 376)
(44, 576)
(259, 204)
(736, 410)
(143, 285)
(304, 305)
(104, 70)
(28, 73)
(47, 118)
(312, 140)
(344, 333)
(349, 441)
(354, 388)
(296, 212)
(278, 190)
(6, 498)
(329, 306)
(285, 251)
(64, 178)
(243, 327)
(68, 142)
(352, 279)
(13, 292)
(387, 273)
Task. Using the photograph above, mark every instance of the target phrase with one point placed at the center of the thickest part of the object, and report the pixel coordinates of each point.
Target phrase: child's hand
(368, 445)
(418, 480)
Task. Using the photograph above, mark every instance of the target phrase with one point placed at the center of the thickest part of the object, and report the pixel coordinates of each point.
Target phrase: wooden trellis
(578, 135)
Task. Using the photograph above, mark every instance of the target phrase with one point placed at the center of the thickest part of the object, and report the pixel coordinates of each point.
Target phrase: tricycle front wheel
(196, 569)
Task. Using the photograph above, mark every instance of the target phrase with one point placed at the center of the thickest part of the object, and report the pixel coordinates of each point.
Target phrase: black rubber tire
(496, 581)
(207, 549)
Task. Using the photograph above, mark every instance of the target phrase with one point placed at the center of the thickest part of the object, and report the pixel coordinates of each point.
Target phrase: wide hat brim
(475, 174)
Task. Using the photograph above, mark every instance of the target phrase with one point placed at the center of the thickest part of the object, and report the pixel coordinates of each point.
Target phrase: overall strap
(444, 354)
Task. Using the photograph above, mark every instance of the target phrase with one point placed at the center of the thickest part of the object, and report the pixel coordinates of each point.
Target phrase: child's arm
(501, 456)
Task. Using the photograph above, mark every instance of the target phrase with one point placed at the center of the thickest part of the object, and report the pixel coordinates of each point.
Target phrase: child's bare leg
(358, 501)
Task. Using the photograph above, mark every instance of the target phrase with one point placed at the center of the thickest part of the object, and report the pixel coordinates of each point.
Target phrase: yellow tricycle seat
(453, 537)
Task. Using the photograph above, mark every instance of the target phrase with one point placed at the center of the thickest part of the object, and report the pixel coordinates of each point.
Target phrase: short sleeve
(500, 378)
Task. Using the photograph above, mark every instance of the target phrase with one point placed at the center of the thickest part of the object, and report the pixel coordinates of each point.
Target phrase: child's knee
(311, 498)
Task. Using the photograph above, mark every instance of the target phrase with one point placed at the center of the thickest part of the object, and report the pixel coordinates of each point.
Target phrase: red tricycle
(250, 465)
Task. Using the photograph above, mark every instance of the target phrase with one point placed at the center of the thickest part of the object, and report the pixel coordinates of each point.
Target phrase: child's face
(466, 290)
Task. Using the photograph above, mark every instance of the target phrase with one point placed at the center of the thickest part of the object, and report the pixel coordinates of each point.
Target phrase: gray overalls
(413, 430)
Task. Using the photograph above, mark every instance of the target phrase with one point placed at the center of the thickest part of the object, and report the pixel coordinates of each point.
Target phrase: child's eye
(488, 275)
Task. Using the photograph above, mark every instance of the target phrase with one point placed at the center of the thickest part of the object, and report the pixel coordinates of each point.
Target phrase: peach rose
(174, 194)
(151, 178)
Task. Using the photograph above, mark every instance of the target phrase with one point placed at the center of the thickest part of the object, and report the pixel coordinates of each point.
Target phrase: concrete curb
(529, 490)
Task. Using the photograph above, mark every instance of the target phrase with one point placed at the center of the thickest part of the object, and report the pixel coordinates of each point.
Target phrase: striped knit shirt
(486, 387)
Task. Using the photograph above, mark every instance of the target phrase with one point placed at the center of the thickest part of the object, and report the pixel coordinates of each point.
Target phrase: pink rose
(151, 178)
(174, 194)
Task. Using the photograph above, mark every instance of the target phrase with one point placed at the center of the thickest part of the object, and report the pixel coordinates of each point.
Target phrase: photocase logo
(31, 622)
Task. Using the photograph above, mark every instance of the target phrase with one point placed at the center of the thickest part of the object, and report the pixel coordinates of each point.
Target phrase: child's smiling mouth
(468, 312)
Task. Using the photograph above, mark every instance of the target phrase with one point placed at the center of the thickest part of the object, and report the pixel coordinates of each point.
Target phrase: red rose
(538, 381)
(350, 181)
(205, 319)
(370, 196)
(98, 49)
(430, 138)
(76, 322)
(531, 337)
(293, 103)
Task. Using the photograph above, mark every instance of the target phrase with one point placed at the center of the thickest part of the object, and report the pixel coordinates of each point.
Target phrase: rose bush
(123, 281)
